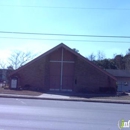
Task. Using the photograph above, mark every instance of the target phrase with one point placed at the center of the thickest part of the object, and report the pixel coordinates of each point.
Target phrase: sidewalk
(51, 96)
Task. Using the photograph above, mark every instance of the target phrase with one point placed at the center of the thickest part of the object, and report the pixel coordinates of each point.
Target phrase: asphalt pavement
(31, 114)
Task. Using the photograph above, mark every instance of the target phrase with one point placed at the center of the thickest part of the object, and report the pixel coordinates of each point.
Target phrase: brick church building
(61, 69)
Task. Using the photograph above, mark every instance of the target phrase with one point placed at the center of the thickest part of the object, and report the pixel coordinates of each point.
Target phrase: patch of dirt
(118, 96)
(87, 96)
(19, 92)
(127, 97)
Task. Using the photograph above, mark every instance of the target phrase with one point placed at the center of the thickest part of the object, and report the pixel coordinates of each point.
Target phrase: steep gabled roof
(69, 49)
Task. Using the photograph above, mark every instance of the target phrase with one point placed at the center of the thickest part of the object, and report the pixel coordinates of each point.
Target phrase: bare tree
(19, 58)
(2, 65)
(100, 55)
(91, 57)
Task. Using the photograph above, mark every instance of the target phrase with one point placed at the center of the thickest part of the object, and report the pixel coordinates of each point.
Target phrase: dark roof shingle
(119, 73)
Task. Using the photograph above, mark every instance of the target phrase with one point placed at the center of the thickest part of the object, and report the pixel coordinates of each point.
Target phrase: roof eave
(75, 53)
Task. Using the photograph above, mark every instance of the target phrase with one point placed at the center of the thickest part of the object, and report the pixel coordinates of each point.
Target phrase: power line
(63, 7)
(66, 35)
(64, 40)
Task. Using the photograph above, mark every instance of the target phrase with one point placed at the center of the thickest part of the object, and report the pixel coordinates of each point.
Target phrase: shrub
(26, 87)
(107, 90)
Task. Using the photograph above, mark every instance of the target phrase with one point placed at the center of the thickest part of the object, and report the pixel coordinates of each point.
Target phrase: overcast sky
(80, 17)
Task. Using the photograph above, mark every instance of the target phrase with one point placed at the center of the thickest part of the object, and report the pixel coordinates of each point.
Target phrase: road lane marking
(21, 101)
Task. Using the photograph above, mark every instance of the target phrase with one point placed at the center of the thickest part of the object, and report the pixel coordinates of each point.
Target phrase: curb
(69, 99)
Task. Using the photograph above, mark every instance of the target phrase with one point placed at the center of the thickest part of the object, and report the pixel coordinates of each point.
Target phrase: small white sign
(13, 83)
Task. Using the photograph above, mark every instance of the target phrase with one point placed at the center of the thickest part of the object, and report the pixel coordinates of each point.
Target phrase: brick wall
(33, 74)
(90, 78)
(37, 75)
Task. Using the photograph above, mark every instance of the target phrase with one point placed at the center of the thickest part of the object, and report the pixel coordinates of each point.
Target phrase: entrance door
(55, 75)
(68, 76)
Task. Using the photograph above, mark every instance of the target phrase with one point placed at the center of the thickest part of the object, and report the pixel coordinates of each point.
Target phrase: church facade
(62, 69)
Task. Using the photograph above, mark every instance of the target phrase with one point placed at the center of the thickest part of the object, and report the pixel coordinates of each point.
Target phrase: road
(29, 114)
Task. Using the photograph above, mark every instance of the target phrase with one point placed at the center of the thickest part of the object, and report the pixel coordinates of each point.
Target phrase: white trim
(69, 90)
(61, 68)
(55, 61)
(68, 61)
(61, 73)
(52, 89)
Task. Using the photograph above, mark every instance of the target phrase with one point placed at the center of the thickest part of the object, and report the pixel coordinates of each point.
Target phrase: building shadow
(87, 95)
